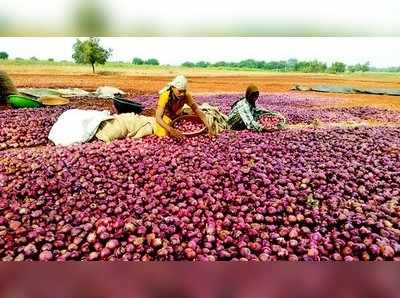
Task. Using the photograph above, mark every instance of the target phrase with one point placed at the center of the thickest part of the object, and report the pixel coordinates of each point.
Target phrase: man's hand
(176, 134)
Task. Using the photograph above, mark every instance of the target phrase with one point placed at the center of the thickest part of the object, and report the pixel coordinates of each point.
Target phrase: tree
(50, 59)
(365, 67)
(137, 61)
(188, 64)
(260, 64)
(33, 58)
(152, 61)
(249, 63)
(291, 64)
(202, 64)
(220, 64)
(351, 68)
(3, 56)
(359, 67)
(316, 66)
(337, 67)
(90, 52)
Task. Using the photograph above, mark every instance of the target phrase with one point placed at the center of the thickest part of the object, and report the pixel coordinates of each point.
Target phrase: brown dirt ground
(223, 83)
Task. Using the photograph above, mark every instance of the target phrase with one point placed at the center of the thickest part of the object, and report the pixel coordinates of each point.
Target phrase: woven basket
(193, 118)
(53, 100)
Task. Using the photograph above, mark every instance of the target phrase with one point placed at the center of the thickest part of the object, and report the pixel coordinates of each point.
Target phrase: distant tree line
(294, 65)
(291, 65)
(4, 56)
(91, 52)
(386, 69)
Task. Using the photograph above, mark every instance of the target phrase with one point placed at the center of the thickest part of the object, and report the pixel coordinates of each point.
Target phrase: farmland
(326, 188)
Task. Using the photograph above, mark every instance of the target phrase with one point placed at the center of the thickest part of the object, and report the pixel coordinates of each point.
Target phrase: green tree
(337, 67)
(50, 59)
(276, 65)
(3, 55)
(365, 67)
(219, 64)
(260, 64)
(249, 63)
(90, 52)
(34, 58)
(359, 67)
(302, 66)
(351, 68)
(188, 64)
(291, 64)
(152, 61)
(137, 61)
(316, 66)
(202, 64)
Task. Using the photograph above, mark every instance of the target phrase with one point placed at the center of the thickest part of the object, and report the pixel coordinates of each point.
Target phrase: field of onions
(298, 195)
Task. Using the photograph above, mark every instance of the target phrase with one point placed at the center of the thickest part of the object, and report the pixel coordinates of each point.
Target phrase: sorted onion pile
(288, 195)
(188, 125)
(269, 121)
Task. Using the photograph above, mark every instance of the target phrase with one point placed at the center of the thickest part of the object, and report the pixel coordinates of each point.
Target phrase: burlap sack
(125, 125)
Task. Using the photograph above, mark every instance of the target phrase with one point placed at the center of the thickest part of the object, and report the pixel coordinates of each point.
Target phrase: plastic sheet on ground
(101, 92)
(348, 90)
(108, 92)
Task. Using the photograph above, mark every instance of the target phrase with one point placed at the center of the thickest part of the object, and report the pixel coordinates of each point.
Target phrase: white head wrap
(180, 82)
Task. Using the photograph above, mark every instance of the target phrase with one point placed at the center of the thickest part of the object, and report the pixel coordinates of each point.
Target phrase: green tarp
(348, 90)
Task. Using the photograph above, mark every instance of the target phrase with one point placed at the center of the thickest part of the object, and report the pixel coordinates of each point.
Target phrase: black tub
(127, 106)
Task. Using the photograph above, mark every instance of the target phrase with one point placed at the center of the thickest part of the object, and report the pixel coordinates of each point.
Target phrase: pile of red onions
(269, 121)
(288, 195)
(188, 125)
(26, 127)
(30, 127)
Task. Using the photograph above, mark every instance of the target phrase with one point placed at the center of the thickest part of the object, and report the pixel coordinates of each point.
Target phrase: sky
(380, 52)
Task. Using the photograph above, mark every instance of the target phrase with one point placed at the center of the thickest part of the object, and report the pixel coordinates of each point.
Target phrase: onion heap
(188, 125)
(269, 122)
(25, 128)
(297, 195)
